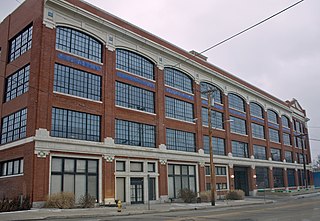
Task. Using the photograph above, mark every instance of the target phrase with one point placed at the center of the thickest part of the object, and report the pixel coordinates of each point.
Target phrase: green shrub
(187, 195)
(63, 200)
(87, 201)
(235, 195)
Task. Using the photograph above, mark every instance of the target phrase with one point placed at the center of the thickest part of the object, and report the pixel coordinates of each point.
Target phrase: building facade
(94, 105)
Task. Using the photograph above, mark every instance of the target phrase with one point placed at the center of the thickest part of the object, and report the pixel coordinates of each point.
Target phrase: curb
(125, 213)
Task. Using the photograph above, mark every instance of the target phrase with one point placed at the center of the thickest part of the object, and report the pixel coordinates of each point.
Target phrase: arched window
(216, 94)
(272, 116)
(78, 43)
(134, 63)
(236, 102)
(285, 121)
(256, 110)
(178, 79)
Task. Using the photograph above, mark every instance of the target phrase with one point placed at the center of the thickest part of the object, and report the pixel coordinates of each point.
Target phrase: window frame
(256, 108)
(173, 76)
(236, 102)
(17, 83)
(134, 63)
(68, 40)
(63, 123)
(24, 41)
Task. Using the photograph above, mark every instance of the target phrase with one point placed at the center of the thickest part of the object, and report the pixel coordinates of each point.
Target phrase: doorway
(136, 190)
(241, 179)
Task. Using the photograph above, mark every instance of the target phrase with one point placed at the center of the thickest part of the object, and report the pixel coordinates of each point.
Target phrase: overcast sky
(281, 56)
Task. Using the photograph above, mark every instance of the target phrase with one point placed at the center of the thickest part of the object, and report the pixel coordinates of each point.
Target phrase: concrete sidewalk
(36, 214)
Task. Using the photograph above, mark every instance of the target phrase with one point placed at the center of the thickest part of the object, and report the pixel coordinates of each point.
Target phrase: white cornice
(44, 142)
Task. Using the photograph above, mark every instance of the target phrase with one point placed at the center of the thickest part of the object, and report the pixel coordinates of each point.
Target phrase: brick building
(94, 105)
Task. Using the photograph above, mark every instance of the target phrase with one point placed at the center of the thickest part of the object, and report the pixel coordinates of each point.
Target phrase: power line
(243, 31)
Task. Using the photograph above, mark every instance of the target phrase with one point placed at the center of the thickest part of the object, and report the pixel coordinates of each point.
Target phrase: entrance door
(241, 179)
(136, 189)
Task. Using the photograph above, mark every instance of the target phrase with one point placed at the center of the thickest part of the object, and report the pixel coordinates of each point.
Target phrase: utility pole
(209, 94)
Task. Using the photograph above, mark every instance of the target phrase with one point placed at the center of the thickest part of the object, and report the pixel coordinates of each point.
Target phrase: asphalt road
(304, 209)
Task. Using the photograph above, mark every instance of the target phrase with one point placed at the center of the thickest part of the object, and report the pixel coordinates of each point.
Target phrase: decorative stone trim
(253, 167)
(42, 153)
(252, 157)
(230, 165)
(270, 167)
(109, 141)
(109, 158)
(202, 163)
(163, 161)
(201, 151)
(162, 147)
(230, 154)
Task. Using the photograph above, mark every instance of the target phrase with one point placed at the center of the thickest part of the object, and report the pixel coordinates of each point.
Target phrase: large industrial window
(257, 131)
(286, 139)
(239, 149)
(78, 43)
(291, 177)
(14, 126)
(178, 79)
(11, 167)
(236, 102)
(179, 109)
(259, 152)
(135, 134)
(134, 63)
(272, 116)
(20, 43)
(285, 121)
(216, 118)
(275, 154)
(134, 97)
(75, 125)
(17, 83)
(277, 177)
(76, 82)
(217, 144)
(256, 110)
(238, 125)
(274, 135)
(262, 177)
(180, 140)
(288, 156)
(216, 95)
(78, 176)
(181, 177)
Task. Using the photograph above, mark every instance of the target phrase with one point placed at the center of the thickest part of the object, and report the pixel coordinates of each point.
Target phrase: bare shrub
(63, 200)
(235, 195)
(187, 195)
(205, 196)
(87, 201)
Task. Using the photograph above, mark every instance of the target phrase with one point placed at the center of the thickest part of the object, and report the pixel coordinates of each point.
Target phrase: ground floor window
(290, 175)
(181, 177)
(78, 176)
(278, 177)
(262, 177)
(152, 188)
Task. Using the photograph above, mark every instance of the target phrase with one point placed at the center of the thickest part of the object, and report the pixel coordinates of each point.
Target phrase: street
(290, 209)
